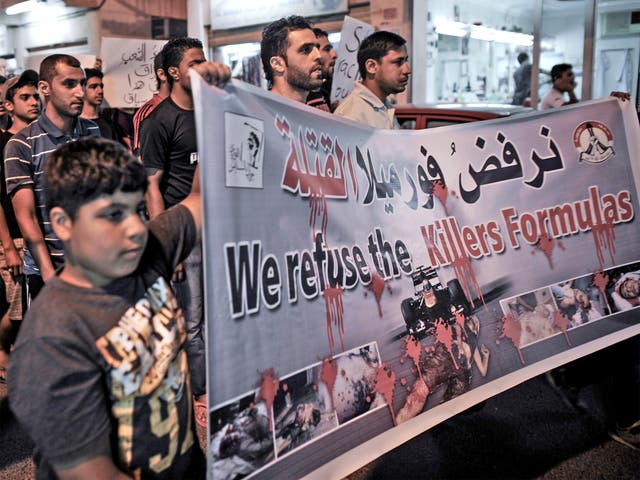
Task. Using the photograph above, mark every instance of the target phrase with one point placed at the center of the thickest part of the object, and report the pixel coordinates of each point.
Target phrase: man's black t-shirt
(168, 143)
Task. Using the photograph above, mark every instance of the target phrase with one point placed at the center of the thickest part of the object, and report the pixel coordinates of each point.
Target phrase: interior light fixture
(455, 29)
(22, 7)
(479, 32)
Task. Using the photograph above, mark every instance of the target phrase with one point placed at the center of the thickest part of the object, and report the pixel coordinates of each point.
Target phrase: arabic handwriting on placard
(138, 55)
(493, 170)
(545, 164)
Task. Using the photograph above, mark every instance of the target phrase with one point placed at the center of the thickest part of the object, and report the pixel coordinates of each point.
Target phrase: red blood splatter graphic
(385, 386)
(343, 373)
(600, 280)
(352, 175)
(604, 238)
(561, 322)
(328, 375)
(465, 275)
(268, 390)
(318, 205)
(440, 191)
(511, 329)
(546, 244)
(460, 318)
(445, 336)
(412, 350)
(335, 314)
(377, 287)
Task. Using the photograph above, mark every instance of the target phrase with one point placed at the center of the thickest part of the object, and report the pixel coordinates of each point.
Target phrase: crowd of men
(109, 362)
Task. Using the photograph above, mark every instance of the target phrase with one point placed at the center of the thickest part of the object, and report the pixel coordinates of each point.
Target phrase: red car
(417, 117)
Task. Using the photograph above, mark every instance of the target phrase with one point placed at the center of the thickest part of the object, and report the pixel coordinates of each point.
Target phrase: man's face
(393, 71)
(107, 238)
(302, 58)
(65, 93)
(566, 82)
(25, 104)
(94, 91)
(630, 288)
(327, 57)
(191, 57)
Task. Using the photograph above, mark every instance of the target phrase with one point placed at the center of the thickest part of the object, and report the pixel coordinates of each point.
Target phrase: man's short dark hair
(559, 69)
(320, 33)
(173, 52)
(48, 65)
(523, 57)
(158, 65)
(93, 72)
(81, 171)
(274, 41)
(376, 46)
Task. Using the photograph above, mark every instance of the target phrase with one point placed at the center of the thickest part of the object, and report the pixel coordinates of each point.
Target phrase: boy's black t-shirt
(168, 143)
(102, 371)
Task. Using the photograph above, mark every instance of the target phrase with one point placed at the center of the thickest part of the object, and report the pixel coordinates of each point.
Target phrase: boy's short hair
(92, 72)
(274, 41)
(173, 52)
(376, 46)
(158, 64)
(48, 65)
(78, 172)
(559, 69)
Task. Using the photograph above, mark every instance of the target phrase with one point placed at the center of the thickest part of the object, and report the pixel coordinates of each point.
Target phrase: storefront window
(617, 48)
(474, 55)
(561, 41)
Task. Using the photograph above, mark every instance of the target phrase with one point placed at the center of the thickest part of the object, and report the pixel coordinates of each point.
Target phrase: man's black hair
(523, 57)
(93, 72)
(274, 41)
(320, 33)
(173, 52)
(376, 46)
(158, 61)
(48, 65)
(78, 172)
(559, 69)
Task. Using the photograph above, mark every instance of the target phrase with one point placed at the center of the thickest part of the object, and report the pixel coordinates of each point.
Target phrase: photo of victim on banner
(364, 285)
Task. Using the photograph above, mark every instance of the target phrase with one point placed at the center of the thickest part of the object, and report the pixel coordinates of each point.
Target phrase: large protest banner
(364, 285)
(129, 77)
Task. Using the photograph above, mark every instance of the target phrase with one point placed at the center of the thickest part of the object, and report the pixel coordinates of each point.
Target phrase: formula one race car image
(432, 301)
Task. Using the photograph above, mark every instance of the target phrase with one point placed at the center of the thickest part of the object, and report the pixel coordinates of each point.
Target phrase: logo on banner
(594, 141)
(244, 151)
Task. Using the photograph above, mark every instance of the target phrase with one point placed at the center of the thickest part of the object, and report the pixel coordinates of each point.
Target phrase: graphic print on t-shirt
(148, 381)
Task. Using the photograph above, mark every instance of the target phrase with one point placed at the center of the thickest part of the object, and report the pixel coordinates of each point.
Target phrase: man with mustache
(291, 58)
(62, 85)
(322, 98)
(383, 64)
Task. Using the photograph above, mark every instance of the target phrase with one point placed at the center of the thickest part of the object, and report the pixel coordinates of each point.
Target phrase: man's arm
(155, 202)
(193, 201)
(99, 468)
(12, 257)
(25, 210)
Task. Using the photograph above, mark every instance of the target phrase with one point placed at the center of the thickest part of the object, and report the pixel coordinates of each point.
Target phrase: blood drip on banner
(546, 245)
(413, 350)
(328, 375)
(511, 329)
(268, 390)
(385, 385)
(444, 335)
(561, 321)
(605, 238)
(440, 191)
(466, 276)
(377, 287)
(335, 314)
(318, 206)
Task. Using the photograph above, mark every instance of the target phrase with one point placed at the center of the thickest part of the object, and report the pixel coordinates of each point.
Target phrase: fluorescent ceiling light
(21, 7)
(455, 29)
(479, 32)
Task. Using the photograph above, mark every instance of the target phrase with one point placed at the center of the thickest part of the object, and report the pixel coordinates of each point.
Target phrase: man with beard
(383, 64)
(62, 85)
(291, 58)
(169, 152)
(322, 98)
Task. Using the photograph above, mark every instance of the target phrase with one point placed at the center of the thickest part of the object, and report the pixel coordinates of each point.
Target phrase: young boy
(99, 376)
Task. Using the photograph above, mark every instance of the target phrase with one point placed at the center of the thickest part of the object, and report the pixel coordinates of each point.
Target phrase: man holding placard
(383, 63)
